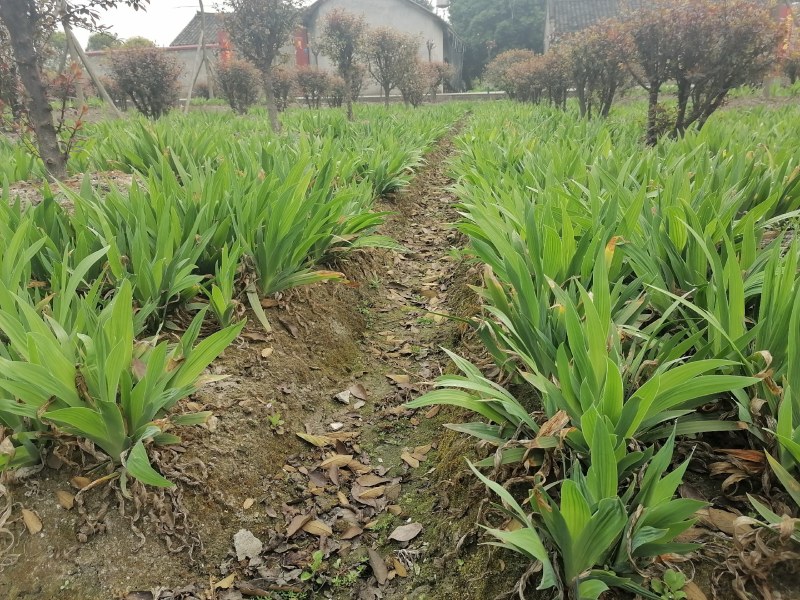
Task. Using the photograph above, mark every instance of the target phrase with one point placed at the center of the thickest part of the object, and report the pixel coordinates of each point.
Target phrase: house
(186, 46)
(437, 40)
(564, 17)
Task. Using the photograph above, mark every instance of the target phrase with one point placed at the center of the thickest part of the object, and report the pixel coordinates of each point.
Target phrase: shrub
(707, 47)
(284, 87)
(497, 71)
(148, 76)
(337, 89)
(358, 74)
(342, 41)
(596, 58)
(238, 83)
(389, 53)
(526, 80)
(415, 84)
(556, 77)
(312, 84)
(437, 73)
(116, 93)
(791, 65)
(65, 85)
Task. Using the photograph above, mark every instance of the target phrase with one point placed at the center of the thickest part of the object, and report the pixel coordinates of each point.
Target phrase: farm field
(235, 364)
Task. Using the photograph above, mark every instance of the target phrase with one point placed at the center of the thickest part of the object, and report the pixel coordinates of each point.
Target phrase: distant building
(438, 42)
(403, 15)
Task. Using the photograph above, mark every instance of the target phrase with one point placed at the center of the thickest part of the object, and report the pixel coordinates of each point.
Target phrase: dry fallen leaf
(410, 460)
(400, 379)
(400, 568)
(337, 460)
(32, 521)
(224, 584)
(406, 533)
(297, 524)
(375, 492)
(79, 482)
(358, 391)
(267, 352)
(433, 411)
(718, 519)
(248, 503)
(352, 531)
(65, 499)
(378, 566)
(693, 592)
(395, 509)
(342, 499)
(371, 480)
(317, 527)
(320, 441)
(422, 450)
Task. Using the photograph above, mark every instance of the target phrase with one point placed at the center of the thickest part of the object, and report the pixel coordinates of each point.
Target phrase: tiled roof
(190, 36)
(574, 15)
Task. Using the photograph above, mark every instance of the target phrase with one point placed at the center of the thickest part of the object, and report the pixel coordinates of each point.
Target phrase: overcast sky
(161, 22)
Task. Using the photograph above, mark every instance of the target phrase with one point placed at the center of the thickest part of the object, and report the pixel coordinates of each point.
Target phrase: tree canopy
(102, 41)
(490, 27)
(259, 29)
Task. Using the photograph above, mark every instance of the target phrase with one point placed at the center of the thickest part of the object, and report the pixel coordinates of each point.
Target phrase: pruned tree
(25, 20)
(148, 76)
(238, 82)
(597, 57)
(284, 85)
(389, 54)
(438, 73)
(312, 84)
(259, 29)
(415, 83)
(498, 71)
(342, 42)
(707, 47)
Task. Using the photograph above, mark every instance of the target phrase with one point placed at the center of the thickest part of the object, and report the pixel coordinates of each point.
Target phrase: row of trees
(239, 82)
(706, 48)
(259, 29)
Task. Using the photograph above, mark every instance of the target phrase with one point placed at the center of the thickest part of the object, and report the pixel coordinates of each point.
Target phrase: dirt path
(312, 514)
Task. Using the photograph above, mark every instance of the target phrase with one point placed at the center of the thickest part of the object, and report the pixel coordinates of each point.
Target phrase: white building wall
(184, 56)
(396, 14)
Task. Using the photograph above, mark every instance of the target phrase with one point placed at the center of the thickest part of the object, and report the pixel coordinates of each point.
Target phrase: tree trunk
(652, 114)
(684, 90)
(348, 95)
(19, 17)
(272, 107)
(386, 91)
